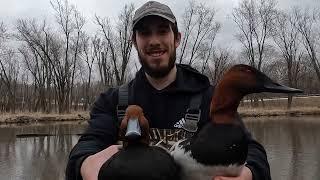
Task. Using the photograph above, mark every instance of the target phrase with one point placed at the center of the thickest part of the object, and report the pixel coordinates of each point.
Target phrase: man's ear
(177, 40)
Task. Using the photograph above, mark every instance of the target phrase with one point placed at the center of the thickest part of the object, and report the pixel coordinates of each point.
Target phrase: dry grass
(23, 117)
(256, 112)
(297, 102)
(273, 107)
(278, 107)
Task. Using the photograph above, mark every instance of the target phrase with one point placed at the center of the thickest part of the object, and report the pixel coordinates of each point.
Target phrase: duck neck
(224, 104)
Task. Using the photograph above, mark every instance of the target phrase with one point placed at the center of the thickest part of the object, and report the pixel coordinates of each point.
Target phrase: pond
(36, 157)
(292, 146)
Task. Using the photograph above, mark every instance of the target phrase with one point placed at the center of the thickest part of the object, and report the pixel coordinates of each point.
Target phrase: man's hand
(244, 175)
(92, 164)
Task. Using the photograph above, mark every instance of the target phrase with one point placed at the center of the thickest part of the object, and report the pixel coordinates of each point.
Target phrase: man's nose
(154, 40)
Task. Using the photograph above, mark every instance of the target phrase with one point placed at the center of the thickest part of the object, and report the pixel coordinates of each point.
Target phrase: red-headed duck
(138, 160)
(221, 146)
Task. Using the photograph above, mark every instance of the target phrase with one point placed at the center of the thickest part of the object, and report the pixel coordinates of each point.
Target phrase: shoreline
(34, 118)
(271, 112)
(83, 117)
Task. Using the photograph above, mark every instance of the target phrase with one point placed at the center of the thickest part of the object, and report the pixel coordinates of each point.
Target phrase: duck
(220, 148)
(137, 159)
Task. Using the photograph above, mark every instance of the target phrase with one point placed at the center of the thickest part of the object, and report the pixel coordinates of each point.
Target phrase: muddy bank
(259, 112)
(79, 117)
(31, 118)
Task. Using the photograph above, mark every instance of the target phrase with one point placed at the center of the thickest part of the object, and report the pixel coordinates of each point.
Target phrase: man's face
(156, 46)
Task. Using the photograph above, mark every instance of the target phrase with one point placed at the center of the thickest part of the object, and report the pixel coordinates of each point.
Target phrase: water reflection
(291, 145)
(35, 158)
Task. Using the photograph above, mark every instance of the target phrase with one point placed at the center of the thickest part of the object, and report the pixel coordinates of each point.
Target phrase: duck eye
(248, 70)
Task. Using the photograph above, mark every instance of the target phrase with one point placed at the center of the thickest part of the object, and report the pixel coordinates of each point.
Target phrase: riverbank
(264, 112)
(29, 118)
(82, 117)
(301, 106)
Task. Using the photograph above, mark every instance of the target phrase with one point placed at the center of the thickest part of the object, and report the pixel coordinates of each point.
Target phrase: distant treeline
(60, 67)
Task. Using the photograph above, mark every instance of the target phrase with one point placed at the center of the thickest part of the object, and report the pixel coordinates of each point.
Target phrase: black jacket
(163, 108)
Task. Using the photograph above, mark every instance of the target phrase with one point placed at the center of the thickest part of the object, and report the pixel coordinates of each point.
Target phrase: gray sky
(10, 10)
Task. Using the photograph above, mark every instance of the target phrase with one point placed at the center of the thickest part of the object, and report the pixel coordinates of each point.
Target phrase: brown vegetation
(33, 118)
(273, 107)
(278, 107)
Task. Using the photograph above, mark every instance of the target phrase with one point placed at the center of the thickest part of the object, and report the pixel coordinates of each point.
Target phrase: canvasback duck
(138, 160)
(221, 146)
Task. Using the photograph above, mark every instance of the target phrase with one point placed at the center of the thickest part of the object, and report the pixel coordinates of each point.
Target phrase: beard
(161, 72)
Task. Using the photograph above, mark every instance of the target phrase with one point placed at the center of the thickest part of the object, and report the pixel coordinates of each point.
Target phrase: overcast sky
(10, 10)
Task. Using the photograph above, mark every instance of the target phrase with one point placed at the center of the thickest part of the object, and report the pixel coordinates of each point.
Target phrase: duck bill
(270, 86)
(133, 129)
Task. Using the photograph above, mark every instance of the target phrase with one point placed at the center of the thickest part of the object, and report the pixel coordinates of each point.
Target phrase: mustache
(155, 48)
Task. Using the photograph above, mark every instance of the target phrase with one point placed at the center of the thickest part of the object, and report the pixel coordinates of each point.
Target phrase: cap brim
(153, 14)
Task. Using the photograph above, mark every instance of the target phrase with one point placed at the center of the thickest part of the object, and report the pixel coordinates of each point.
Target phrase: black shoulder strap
(193, 114)
(123, 101)
(191, 118)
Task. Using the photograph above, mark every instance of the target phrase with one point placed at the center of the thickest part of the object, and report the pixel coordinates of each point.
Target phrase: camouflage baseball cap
(153, 8)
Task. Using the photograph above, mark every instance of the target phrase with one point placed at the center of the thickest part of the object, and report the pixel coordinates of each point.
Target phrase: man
(162, 88)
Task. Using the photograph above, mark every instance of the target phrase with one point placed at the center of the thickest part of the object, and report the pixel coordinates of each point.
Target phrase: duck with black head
(138, 160)
(221, 146)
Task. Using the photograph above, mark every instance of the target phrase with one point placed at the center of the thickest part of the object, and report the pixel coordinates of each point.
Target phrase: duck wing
(215, 150)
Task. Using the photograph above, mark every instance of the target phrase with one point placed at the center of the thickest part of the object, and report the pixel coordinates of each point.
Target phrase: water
(36, 158)
(292, 147)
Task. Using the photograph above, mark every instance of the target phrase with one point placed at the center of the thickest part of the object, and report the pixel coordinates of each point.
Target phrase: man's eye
(163, 31)
(144, 32)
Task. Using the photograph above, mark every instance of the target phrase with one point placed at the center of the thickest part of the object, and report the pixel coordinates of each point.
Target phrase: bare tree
(124, 33)
(308, 25)
(254, 20)
(3, 34)
(77, 50)
(40, 52)
(71, 24)
(89, 59)
(198, 33)
(100, 52)
(119, 41)
(39, 75)
(207, 50)
(188, 25)
(219, 64)
(9, 71)
(307, 78)
(286, 36)
(58, 53)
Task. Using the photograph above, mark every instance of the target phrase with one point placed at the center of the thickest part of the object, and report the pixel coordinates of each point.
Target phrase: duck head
(238, 81)
(134, 127)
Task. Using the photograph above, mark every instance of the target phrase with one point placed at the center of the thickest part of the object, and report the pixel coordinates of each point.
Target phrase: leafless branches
(287, 38)
(198, 34)
(119, 41)
(254, 20)
(308, 25)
